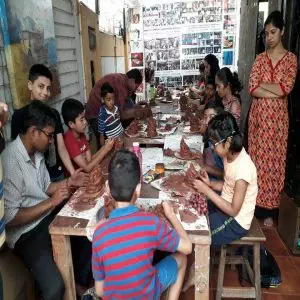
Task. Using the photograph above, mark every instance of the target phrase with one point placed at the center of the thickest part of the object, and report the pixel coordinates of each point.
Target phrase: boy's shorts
(167, 271)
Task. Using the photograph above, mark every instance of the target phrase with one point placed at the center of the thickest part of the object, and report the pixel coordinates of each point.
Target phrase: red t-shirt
(76, 146)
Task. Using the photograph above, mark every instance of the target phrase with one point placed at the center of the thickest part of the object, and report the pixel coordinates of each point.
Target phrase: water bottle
(137, 150)
(151, 92)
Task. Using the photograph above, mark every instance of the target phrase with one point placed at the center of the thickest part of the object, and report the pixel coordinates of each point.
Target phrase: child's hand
(109, 143)
(168, 209)
(204, 176)
(200, 186)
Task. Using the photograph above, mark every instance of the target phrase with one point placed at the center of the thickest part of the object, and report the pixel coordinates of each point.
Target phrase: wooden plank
(66, 55)
(63, 17)
(63, 258)
(69, 91)
(67, 67)
(221, 272)
(63, 43)
(202, 257)
(256, 252)
(64, 30)
(239, 293)
(65, 5)
(69, 78)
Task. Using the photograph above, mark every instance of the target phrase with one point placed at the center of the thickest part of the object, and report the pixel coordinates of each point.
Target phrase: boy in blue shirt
(109, 123)
(123, 246)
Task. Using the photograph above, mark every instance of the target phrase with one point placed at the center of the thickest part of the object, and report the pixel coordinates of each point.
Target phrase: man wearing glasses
(30, 197)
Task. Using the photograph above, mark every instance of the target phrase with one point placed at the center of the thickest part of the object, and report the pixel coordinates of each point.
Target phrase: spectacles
(213, 144)
(49, 135)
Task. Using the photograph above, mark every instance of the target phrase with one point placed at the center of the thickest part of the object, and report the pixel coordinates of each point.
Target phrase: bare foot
(268, 222)
(190, 280)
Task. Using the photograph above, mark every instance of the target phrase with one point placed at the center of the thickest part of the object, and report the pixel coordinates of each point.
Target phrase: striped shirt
(123, 252)
(109, 122)
(25, 185)
(2, 223)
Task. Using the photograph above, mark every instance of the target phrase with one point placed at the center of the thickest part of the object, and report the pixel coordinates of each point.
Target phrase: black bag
(269, 269)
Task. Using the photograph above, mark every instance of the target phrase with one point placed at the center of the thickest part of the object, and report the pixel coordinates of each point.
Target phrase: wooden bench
(253, 239)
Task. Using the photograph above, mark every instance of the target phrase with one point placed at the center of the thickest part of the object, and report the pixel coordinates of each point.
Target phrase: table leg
(202, 257)
(63, 257)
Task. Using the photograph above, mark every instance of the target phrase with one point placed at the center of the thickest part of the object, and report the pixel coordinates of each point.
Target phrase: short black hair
(223, 126)
(275, 18)
(38, 70)
(71, 109)
(106, 88)
(37, 114)
(136, 75)
(218, 107)
(124, 175)
(211, 82)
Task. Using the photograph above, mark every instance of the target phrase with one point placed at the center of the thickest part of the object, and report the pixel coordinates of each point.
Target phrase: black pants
(93, 123)
(35, 249)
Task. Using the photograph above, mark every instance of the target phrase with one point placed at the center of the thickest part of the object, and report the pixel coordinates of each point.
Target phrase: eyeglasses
(213, 144)
(49, 135)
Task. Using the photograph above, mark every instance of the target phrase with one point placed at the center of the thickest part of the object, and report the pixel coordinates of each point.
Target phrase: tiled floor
(288, 263)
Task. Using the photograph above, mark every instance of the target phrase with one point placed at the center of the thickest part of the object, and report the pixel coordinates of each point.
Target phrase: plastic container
(137, 150)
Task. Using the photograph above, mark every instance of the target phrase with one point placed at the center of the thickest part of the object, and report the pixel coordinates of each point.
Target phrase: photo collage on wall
(173, 38)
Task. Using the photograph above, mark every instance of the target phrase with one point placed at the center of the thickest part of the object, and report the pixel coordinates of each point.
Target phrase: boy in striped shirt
(109, 123)
(123, 246)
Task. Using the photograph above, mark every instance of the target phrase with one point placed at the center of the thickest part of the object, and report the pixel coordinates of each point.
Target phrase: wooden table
(165, 108)
(63, 227)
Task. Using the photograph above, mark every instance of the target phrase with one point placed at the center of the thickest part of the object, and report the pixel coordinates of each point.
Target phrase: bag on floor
(269, 269)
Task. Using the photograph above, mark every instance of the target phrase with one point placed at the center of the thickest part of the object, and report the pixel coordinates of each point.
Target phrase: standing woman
(271, 80)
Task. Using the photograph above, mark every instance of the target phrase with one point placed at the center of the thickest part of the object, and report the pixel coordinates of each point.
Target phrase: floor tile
(267, 296)
(290, 278)
(274, 243)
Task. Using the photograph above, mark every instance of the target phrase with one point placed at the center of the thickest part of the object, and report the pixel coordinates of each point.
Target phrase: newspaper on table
(195, 142)
(151, 156)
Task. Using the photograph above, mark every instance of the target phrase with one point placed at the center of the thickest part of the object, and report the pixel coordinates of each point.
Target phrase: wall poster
(178, 35)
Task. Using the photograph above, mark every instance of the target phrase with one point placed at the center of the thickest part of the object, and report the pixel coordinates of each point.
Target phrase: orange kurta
(269, 125)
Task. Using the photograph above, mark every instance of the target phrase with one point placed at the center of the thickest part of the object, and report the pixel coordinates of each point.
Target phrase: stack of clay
(96, 182)
(168, 96)
(151, 128)
(108, 205)
(183, 101)
(118, 144)
(182, 186)
(194, 123)
(185, 151)
(168, 152)
(193, 95)
(133, 128)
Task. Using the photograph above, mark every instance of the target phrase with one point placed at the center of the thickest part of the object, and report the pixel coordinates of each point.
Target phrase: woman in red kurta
(271, 80)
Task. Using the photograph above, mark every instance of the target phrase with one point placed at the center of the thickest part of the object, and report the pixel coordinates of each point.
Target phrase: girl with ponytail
(228, 88)
(230, 214)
